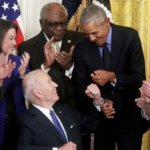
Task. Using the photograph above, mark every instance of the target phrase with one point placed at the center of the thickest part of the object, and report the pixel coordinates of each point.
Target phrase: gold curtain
(136, 14)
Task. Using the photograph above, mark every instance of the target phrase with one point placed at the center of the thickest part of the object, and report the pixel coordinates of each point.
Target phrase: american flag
(9, 10)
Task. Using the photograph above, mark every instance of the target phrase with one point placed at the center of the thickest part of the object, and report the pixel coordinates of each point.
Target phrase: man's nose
(59, 27)
(92, 37)
(55, 85)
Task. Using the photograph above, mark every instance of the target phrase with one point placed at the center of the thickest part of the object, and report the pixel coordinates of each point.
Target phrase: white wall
(30, 14)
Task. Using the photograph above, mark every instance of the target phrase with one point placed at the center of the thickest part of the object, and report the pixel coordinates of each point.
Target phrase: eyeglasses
(55, 25)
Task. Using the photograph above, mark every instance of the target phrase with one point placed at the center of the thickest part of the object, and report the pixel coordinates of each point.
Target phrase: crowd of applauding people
(75, 83)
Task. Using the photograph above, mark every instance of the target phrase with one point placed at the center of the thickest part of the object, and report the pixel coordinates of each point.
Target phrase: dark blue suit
(16, 83)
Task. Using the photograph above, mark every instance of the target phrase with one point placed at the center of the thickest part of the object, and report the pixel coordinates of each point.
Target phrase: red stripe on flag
(19, 37)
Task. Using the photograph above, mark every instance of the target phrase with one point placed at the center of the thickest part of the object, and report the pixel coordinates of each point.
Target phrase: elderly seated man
(50, 126)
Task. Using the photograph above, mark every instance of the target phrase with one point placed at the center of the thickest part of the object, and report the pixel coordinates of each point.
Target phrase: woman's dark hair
(5, 25)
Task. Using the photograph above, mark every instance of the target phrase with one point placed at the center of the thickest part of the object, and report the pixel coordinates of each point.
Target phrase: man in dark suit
(111, 57)
(46, 126)
(56, 61)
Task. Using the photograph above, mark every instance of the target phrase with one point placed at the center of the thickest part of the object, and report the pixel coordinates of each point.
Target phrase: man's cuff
(55, 148)
(144, 114)
(113, 83)
(69, 72)
(47, 70)
(98, 107)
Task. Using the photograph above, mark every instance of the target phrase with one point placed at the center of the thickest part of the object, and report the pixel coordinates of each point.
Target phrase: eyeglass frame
(57, 23)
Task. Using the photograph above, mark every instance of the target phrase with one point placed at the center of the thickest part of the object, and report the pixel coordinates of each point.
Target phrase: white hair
(45, 9)
(30, 84)
(92, 13)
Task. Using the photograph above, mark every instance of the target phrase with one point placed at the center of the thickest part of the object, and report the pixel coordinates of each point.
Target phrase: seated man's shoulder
(61, 106)
(24, 118)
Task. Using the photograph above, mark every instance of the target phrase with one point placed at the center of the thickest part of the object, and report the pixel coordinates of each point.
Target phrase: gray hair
(30, 83)
(45, 8)
(92, 13)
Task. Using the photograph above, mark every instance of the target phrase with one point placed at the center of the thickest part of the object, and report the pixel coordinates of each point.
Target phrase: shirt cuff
(47, 70)
(144, 114)
(54, 148)
(69, 72)
(97, 107)
(114, 82)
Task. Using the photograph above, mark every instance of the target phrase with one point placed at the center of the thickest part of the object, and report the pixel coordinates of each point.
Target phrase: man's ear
(41, 23)
(107, 21)
(37, 92)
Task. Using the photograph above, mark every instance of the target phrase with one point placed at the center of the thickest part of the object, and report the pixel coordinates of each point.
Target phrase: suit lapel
(115, 47)
(94, 53)
(41, 40)
(61, 116)
(67, 42)
(45, 122)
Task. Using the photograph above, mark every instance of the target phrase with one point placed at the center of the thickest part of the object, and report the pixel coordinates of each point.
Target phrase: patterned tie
(57, 47)
(106, 57)
(57, 124)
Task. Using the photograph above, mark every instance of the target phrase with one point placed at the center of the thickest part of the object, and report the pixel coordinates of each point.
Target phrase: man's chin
(58, 38)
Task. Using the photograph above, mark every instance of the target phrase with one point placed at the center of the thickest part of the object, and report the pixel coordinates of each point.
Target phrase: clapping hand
(6, 67)
(49, 53)
(65, 59)
(146, 88)
(24, 63)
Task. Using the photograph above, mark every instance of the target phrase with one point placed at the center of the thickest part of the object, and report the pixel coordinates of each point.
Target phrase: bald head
(39, 89)
(30, 82)
(52, 8)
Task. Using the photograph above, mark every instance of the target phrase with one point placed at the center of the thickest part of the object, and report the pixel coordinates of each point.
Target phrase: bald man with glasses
(52, 49)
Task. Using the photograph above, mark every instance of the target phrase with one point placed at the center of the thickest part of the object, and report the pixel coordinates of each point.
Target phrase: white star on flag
(5, 6)
(15, 7)
(4, 17)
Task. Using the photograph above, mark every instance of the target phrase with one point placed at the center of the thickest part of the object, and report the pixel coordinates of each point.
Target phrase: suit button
(112, 92)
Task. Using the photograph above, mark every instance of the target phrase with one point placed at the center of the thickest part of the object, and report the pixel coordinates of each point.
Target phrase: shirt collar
(44, 110)
(108, 39)
(53, 45)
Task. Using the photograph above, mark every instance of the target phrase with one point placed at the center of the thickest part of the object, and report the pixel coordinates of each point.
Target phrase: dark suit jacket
(38, 133)
(35, 47)
(16, 84)
(127, 61)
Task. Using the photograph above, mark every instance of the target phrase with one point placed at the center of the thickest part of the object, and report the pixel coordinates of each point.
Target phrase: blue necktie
(57, 124)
